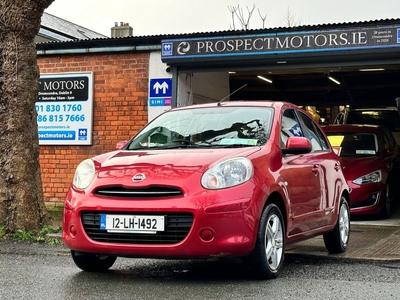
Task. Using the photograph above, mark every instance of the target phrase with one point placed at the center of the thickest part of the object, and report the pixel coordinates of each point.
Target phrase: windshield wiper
(234, 146)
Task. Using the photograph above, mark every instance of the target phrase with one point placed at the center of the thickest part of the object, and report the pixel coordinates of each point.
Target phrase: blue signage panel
(160, 87)
(167, 49)
(268, 43)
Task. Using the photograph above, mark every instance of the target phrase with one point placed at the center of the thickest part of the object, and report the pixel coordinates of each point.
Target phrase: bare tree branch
(244, 22)
(263, 18)
(290, 19)
(233, 10)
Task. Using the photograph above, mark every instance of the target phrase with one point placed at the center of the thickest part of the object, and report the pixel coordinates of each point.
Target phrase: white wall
(193, 88)
(196, 88)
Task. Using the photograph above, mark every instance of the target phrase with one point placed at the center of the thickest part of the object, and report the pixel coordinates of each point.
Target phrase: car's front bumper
(367, 199)
(218, 228)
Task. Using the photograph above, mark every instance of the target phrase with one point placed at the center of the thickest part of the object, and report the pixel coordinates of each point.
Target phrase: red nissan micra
(228, 179)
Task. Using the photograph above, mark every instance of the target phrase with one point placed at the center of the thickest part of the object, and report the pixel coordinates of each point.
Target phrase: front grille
(134, 193)
(176, 229)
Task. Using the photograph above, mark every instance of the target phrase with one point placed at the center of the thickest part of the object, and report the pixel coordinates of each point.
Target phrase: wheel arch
(277, 199)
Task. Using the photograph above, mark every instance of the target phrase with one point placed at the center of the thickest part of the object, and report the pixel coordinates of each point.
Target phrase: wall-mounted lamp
(265, 79)
(334, 80)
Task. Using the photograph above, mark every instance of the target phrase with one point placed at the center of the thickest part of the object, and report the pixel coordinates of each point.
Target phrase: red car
(228, 179)
(371, 165)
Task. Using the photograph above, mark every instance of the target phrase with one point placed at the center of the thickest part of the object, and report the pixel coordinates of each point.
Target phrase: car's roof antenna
(219, 102)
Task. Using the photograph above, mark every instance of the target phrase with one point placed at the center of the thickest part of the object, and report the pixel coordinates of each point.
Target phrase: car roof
(352, 128)
(260, 103)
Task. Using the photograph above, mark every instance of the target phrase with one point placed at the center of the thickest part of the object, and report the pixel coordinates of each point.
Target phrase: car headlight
(228, 173)
(84, 174)
(369, 178)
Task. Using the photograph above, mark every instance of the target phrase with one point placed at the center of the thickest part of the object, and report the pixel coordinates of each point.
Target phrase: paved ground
(369, 240)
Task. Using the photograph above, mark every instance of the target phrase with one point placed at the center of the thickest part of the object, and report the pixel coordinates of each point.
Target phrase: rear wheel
(267, 257)
(92, 262)
(336, 241)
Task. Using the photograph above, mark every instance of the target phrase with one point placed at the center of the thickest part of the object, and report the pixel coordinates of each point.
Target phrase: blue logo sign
(398, 35)
(82, 134)
(160, 87)
(166, 49)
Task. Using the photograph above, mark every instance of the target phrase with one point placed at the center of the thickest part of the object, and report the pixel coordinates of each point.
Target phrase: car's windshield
(387, 118)
(353, 144)
(217, 126)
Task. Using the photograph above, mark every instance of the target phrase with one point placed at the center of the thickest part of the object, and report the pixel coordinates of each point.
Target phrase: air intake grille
(176, 229)
(152, 192)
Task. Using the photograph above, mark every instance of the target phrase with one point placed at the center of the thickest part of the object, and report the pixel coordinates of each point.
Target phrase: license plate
(129, 223)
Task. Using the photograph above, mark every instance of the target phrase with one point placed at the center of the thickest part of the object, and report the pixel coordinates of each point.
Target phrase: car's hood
(165, 161)
(356, 167)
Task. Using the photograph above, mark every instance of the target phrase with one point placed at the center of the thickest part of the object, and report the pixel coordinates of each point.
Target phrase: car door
(303, 178)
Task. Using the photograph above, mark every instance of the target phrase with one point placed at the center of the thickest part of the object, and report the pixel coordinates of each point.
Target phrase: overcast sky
(154, 17)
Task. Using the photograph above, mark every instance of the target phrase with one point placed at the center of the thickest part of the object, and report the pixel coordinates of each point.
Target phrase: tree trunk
(21, 195)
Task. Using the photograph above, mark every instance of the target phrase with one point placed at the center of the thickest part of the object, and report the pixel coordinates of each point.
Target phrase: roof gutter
(98, 50)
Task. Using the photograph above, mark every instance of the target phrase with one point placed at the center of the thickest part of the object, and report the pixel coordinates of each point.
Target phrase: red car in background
(227, 179)
(371, 165)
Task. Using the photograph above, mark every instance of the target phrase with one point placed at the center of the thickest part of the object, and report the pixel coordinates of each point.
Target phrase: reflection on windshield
(207, 127)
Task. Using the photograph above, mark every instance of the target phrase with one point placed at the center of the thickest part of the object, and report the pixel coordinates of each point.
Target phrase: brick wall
(119, 110)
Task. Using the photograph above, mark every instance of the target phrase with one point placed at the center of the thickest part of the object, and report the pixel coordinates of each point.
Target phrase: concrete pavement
(370, 239)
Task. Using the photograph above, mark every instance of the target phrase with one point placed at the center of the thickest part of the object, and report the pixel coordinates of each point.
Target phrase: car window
(290, 126)
(354, 144)
(217, 126)
(315, 135)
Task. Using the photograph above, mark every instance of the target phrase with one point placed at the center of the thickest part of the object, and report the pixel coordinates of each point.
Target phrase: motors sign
(65, 109)
(305, 41)
(63, 89)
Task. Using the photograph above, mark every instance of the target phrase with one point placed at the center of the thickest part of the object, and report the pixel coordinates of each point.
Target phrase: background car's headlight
(228, 173)
(84, 174)
(369, 178)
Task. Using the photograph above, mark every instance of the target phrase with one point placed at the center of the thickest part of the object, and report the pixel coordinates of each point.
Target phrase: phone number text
(61, 118)
(58, 108)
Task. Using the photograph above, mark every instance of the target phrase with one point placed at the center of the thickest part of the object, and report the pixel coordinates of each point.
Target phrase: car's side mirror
(388, 152)
(297, 145)
(120, 145)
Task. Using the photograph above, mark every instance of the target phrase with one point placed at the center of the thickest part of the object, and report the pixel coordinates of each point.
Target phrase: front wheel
(267, 257)
(92, 262)
(336, 241)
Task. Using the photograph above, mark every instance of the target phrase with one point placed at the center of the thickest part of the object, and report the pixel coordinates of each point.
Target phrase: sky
(159, 17)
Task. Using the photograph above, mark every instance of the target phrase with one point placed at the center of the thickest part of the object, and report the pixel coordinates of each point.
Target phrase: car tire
(386, 208)
(267, 258)
(92, 262)
(336, 241)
